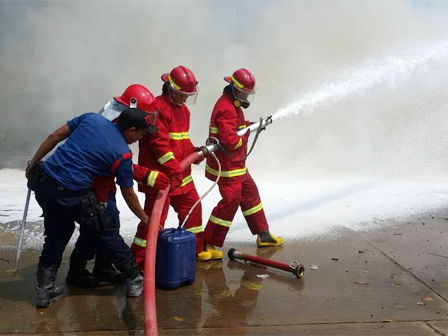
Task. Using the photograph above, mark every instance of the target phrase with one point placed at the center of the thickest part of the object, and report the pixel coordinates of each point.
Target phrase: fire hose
(295, 268)
(149, 294)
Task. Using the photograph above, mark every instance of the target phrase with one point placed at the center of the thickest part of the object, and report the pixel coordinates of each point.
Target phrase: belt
(66, 192)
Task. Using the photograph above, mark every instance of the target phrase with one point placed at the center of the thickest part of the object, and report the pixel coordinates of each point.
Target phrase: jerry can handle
(168, 231)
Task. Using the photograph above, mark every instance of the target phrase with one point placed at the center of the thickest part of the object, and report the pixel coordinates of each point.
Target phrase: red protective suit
(103, 185)
(163, 151)
(236, 186)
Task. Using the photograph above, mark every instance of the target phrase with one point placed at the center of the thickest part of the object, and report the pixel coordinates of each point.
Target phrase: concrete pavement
(392, 281)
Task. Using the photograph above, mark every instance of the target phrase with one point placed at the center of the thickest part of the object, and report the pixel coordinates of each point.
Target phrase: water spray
(295, 268)
(390, 70)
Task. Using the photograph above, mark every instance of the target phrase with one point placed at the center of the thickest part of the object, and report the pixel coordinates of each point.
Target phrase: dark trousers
(86, 248)
(62, 209)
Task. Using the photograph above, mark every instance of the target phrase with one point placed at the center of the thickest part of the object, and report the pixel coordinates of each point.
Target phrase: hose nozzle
(259, 125)
(212, 145)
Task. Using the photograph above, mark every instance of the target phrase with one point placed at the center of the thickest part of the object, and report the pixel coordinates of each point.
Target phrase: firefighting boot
(47, 292)
(215, 254)
(265, 239)
(106, 272)
(203, 256)
(133, 279)
(79, 276)
(81, 279)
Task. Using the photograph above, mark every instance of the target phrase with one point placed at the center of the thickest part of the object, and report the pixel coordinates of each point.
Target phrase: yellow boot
(265, 239)
(216, 254)
(203, 256)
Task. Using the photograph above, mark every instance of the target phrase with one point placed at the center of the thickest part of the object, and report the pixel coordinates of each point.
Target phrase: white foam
(295, 209)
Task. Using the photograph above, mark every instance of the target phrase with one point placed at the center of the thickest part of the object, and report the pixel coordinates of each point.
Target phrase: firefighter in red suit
(236, 186)
(164, 151)
(104, 187)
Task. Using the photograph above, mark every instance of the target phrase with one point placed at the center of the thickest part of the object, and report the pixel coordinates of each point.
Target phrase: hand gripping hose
(149, 284)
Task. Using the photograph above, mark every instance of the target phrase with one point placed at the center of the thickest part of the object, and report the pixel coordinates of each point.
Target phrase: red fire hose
(295, 268)
(149, 282)
(151, 239)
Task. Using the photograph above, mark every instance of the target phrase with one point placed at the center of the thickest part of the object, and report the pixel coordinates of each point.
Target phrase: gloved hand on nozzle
(174, 173)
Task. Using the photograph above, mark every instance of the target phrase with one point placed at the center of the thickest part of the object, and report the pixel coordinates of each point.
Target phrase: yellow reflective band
(177, 87)
(252, 285)
(139, 242)
(231, 173)
(168, 156)
(253, 210)
(239, 144)
(219, 221)
(241, 126)
(213, 130)
(186, 180)
(238, 84)
(225, 293)
(179, 136)
(152, 178)
(195, 229)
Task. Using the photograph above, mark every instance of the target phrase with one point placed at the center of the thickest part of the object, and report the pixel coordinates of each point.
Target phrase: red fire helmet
(141, 94)
(182, 79)
(243, 80)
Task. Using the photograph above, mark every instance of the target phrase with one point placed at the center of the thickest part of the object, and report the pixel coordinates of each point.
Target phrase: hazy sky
(59, 59)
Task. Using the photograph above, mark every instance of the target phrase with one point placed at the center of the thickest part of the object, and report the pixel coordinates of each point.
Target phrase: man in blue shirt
(94, 147)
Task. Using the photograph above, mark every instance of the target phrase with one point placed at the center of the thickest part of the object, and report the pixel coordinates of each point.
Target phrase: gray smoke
(61, 59)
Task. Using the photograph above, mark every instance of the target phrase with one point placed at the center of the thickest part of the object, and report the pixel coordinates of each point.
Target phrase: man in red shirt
(236, 186)
(164, 151)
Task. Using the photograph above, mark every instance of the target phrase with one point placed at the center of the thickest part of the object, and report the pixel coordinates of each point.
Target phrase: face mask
(245, 105)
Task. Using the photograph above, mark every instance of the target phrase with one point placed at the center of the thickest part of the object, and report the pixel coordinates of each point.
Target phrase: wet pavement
(392, 281)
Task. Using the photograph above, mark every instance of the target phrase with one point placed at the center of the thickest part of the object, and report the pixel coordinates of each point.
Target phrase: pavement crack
(433, 329)
(403, 268)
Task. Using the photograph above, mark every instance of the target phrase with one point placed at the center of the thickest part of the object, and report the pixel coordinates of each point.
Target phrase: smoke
(61, 59)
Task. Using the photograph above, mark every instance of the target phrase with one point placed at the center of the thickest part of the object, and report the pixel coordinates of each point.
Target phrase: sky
(59, 59)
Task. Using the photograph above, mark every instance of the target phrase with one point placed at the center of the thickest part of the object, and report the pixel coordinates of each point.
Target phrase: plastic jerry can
(175, 258)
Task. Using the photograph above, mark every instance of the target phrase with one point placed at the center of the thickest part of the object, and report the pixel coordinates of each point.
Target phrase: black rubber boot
(133, 278)
(81, 278)
(47, 292)
(78, 275)
(104, 271)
